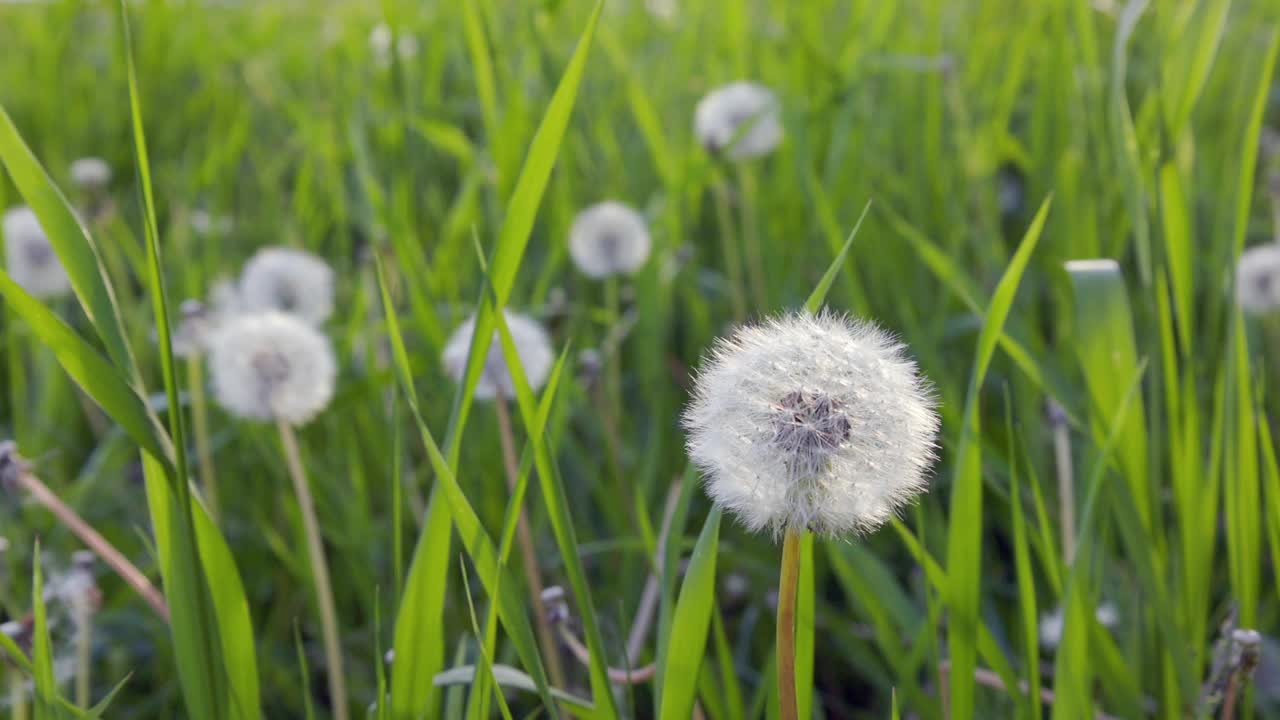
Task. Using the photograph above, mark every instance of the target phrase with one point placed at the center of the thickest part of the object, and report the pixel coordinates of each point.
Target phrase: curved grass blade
(510, 677)
(819, 294)
(103, 382)
(690, 623)
(964, 546)
(517, 225)
(478, 545)
(72, 243)
(197, 624)
(45, 684)
(557, 503)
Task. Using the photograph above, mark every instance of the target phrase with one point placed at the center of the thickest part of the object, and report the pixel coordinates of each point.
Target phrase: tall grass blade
(964, 545)
(690, 624)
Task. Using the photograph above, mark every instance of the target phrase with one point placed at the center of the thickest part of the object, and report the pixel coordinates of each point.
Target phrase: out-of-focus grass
(957, 119)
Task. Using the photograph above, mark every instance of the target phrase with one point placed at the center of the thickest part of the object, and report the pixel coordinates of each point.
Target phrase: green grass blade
(479, 546)
(1026, 581)
(964, 546)
(819, 294)
(72, 243)
(419, 639)
(203, 622)
(557, 503)
(518, 223)
(1105, 344)
(45, 692)
(690, 624)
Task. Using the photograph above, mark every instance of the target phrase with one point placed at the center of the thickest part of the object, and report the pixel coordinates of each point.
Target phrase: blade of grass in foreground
(227, 686)
(72, 243)
(517, 225)
(46, 687)
(557, 503)
(478, 545)
(422, 604)
(690, 623)
(964, 546)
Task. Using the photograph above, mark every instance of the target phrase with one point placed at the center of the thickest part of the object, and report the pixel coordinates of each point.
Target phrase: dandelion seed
(206, 224)
(1052, 624)
(30, 258)
(820, 423)
(1258, 278)
(740, 116)
(272, 366)
(91, 174)
(289, 281)
(609, 238)
(533, 346)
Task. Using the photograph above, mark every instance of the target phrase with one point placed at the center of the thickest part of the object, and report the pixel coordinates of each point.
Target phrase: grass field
(959, 172)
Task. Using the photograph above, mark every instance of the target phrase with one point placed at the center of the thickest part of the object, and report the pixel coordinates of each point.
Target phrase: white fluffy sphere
(804, 422)
(740, 117)
(270, 366)
(609, 238)
(30, 258)
(91, 173)
(289, 281)
(1258, 278)
(532, 345)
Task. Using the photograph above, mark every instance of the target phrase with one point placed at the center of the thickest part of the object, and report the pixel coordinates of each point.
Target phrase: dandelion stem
(790, 577)
(529, 558)
(1066, 481)
(319, 573)
(751, 236)
(732, 263)
(84, 651)
(95, 542)
(200, 420)
(17, 693)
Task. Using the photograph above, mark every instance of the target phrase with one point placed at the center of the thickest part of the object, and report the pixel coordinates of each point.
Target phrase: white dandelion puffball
(609, 238)
(742, 117)
(270, 366)
(532, 345)
(290, 281)
(29, 258)
(811, 422)
(91, 173)
(1258, 278)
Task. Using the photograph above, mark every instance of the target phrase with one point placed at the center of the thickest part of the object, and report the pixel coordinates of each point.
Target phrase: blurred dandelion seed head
(609, 238)
(533, 346)
(91, 174)
(818, 422)
(29, 258)
(741, 117)
(271, 366)
(1258, 278)
(289, 281)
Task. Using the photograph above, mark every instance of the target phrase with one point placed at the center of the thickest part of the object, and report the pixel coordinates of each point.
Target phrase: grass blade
(964, 546)
(690, 623)
(819, 294)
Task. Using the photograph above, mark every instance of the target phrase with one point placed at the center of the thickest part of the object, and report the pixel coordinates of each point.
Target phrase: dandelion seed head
(205, 223)
(533, 346)
(30, 258)
(1258, 278)
(1052, 624)
(741, 117)
(272, 365)
(91, 173)
(818, 422)
(609, 238)
(289, 281)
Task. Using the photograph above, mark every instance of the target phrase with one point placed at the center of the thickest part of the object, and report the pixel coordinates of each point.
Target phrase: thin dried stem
(319, 573)
(94, 541)
(988, 678)
(621, 677)
(650, 596)
(551, 651)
